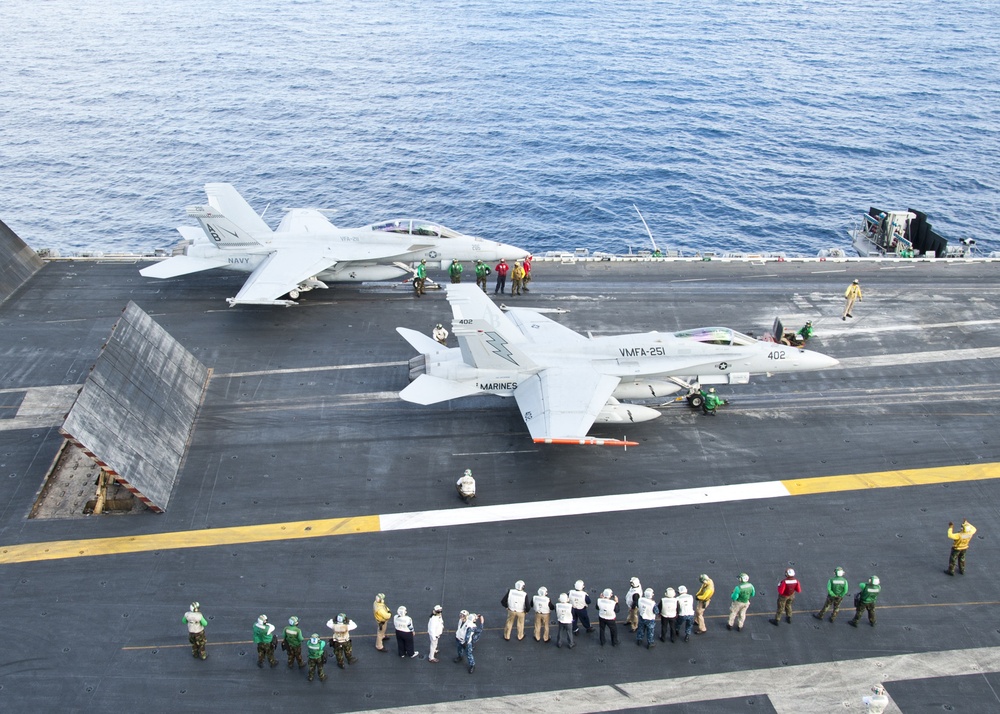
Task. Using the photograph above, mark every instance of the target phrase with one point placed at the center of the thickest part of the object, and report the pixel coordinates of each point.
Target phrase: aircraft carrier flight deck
(305, 486)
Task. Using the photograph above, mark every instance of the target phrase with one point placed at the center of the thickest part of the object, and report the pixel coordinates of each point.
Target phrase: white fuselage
(433, 243)
(650, 364)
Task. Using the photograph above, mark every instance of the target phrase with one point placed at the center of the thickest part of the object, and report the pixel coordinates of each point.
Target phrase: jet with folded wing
(564, 382)
(307, 251)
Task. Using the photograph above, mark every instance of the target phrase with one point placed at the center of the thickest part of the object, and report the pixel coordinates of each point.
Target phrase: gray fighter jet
(564, 382)
(307, 250)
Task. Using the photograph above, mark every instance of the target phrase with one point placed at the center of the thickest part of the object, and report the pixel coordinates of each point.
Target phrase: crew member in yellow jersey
(959, 546)
(852, 293)
(701, 602)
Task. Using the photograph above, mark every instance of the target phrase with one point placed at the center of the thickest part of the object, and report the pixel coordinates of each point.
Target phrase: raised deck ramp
(137, 407)
(18, 262)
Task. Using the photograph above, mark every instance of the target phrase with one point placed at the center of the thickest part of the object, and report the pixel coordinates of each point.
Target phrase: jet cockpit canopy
(716, 336)
(416, 227)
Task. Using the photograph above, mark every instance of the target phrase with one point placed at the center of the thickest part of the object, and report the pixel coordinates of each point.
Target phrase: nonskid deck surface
(301, 431)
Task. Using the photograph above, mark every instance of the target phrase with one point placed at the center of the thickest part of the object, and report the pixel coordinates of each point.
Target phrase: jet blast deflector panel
(137, 407)
(18, 262)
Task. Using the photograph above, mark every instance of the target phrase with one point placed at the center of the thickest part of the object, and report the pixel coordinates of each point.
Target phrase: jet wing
(281, 272)
(427, 389)
(182, 265)
(563, 402)
(538, 328)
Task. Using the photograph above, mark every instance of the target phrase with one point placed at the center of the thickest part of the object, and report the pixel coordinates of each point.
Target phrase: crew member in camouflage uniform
(292, 636)
(701, 602)
(836, 589)
(317, 656)
(482, 270)
(741, 596)
(419, 278)
(263, 637)
(787, 589)
(517, 278)
(866, 600)
(196, 623)
(382, 615)
(710, 401)
(472, 633)
(455, 271)
(959, 546)
(341, 639)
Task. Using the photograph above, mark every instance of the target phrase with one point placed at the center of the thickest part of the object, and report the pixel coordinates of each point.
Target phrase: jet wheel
(695, 401)
(293, 294)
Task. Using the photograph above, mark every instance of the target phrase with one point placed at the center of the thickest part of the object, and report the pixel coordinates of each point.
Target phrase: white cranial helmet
(519, 585)
(543, 591)
(634, 582)
(682, 590)
(648, 592)
(670, 593)
(789, 573)
(563, 597)
(401, 611)
(578, 585)
(607, 593)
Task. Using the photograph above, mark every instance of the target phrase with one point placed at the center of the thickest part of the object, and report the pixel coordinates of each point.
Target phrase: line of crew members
(679, 612)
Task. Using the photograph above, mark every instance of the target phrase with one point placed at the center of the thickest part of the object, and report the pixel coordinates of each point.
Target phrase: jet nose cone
(816, 360)
(511, 252)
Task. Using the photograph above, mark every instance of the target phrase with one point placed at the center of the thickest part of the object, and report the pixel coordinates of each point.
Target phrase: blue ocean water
(733, 124)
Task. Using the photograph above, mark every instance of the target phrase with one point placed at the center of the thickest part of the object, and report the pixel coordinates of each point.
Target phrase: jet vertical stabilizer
(468, 302)
(222, 231)
(225, 199)
(486, 347)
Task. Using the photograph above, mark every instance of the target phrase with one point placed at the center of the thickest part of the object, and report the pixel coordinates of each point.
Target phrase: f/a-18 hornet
(564, 382)
(307, 250)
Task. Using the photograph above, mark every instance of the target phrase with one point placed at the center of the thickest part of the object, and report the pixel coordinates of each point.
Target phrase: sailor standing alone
(852, 293)
(196, 623)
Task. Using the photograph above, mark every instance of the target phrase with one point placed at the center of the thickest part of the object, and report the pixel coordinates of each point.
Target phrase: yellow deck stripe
(892, 479)
(55, 550)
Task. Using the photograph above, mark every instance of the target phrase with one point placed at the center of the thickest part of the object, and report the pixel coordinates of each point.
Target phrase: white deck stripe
(300, 370)
(800, 689)
(581, 506)
(920, 358)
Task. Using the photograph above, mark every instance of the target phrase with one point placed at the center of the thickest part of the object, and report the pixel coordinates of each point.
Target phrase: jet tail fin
(222, 231)
(468, 302)
(225, 199)
(486, 347)
(228, 220)
(488, 338)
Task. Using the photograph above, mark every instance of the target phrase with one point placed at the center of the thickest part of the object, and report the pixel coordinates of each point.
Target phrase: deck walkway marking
(459, 516)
